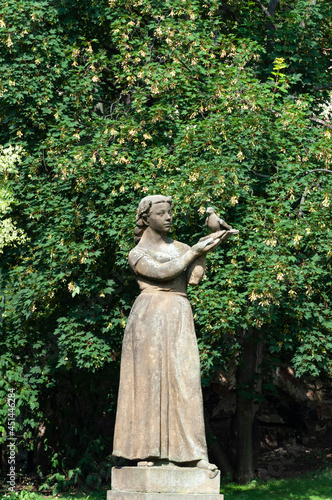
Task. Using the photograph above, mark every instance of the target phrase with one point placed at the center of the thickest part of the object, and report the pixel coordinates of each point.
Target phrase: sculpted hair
(143, 212)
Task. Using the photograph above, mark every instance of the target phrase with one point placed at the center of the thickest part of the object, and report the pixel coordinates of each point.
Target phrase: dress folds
(160, 407)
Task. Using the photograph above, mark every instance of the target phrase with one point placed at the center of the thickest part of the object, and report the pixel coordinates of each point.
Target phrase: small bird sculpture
(215, 224)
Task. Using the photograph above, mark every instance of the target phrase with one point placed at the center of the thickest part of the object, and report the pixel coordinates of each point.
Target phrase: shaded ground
(296, 455)
(293, 460)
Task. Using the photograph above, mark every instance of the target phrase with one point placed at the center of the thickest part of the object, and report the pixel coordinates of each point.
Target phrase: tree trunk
(246, 406)
(244, 449)
(270, 26)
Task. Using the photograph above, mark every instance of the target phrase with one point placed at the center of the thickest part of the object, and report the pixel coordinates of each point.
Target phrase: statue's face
(160, 217)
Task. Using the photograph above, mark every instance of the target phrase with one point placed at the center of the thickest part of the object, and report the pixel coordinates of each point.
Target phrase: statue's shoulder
(136, 254)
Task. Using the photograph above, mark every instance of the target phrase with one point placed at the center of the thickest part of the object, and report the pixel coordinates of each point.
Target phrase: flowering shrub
(115, 100)
(9, 233)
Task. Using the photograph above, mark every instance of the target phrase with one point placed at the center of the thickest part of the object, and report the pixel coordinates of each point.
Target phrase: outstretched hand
(210, 242)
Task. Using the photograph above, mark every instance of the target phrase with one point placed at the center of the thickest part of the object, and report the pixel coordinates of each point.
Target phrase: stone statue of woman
(160, 409)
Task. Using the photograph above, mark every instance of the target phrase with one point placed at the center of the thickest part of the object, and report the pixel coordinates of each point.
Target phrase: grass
(314, 486)
(78, 495)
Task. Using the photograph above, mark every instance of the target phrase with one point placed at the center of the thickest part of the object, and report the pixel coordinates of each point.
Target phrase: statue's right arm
(144, 264)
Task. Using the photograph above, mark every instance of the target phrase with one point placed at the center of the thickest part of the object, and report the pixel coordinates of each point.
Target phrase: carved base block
(159, 483)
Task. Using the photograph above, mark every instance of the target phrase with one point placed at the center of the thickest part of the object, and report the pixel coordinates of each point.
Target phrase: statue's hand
(208, 243)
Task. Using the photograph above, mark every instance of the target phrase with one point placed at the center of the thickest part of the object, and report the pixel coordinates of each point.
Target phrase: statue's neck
(151, 237)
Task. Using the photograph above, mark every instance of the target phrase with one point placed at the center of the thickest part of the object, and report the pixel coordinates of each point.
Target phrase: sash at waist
(161, 290)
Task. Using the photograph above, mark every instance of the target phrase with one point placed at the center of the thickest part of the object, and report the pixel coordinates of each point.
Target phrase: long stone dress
(160, 408)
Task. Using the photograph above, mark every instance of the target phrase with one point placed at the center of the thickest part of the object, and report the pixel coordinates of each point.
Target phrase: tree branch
(272, 7)
(303, 197)
(326, 170)
(260, 175)
(322, 122)
(323, 87)
(43, 161)
(317, 120)
(267, 13)
(187, 67)
(226, 8)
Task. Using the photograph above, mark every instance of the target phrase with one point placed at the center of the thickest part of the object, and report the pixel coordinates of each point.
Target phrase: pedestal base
(127, 495)
(164, 483)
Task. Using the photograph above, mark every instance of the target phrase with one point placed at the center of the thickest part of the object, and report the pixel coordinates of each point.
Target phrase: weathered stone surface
(160, 405)
(126, 495)
(164, 480)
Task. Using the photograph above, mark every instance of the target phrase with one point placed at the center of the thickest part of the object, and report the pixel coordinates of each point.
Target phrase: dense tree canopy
(212, 103)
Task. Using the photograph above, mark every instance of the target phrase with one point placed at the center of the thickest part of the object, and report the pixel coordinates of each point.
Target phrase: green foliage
(24, 495)
(9, 233)
(115, 100)
(30, 495)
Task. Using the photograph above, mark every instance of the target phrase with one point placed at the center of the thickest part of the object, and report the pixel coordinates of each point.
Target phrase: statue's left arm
(196, 270)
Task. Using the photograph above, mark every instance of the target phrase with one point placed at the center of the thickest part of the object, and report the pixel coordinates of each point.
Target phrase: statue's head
(143, 211)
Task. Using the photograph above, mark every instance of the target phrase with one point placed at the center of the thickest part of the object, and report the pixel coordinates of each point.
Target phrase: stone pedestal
(163, 483)
(127, 495)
